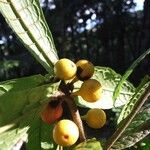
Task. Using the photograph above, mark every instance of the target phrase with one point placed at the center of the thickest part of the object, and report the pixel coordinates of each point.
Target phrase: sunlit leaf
(30, 129)
(20, 84)
(19, 117)
(109, 80)
(18, 132)
(10, 138)
(140, 118)
(26, 19)
(129, 106)
(15, 104)
(91, 144)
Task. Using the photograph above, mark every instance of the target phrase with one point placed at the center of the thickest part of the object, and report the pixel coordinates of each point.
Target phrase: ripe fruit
(95, 118)
(85, 69)
(90, 91)
(52, 112)
(65, 133)
(65, 69)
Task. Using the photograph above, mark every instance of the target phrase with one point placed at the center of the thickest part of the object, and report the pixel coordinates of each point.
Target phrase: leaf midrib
(29, 33)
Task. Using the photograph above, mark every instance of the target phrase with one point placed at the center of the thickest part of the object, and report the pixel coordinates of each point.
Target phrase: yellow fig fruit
(95, 118)
(65, 133)
(85, 69)
(65, 69)
(90, 91)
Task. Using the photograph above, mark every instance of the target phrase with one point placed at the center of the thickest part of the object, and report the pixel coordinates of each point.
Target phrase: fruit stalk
(75, 79)
(76, 116)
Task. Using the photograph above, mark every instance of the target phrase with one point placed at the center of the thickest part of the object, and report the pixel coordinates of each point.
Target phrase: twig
(128, 120)
(76, 116)
(65, 89)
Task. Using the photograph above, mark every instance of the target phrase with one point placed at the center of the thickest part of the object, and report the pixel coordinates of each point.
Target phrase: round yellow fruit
(85, 69)
(65, 69)
(65, 133)
(95, 118)
(90, 91)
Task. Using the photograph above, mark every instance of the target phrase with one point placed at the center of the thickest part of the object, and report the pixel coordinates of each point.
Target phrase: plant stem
(76, 116)
(64, 89)
(128, 120)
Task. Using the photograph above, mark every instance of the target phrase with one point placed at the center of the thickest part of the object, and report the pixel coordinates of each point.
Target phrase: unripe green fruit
(65, 69)
(95, 118)
(85, 69)
(90, 91)
(65, 133)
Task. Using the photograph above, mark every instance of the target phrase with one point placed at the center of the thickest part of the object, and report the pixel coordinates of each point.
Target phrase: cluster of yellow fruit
(66, 132)
(91, 89)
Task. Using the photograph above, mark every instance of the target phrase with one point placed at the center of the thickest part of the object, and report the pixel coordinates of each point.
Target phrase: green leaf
(19, 117)
(16, 104)
(109, 80)
(130, 140)
(21, 84)
(127, 74)
(129, 106)
(17, 133)
(140, 132)
(137, 130)
(140, 118)
(40, 136)
(10, 138)
(26, 19)
(91, 144)
(31, 129)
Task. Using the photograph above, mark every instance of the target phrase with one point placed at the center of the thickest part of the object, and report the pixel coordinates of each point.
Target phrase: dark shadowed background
(107, 32)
